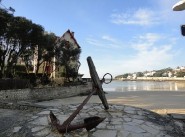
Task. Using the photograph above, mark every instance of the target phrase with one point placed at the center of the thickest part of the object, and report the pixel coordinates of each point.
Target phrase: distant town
(166, 74)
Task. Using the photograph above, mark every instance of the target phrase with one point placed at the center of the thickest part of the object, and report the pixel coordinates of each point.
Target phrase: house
(68, 36)
(149, 73)
(50, 68)
(178, 69)
(134, 76)
(170, 74)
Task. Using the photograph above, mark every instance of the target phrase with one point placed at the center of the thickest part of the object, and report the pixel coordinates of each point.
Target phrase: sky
(121, 36)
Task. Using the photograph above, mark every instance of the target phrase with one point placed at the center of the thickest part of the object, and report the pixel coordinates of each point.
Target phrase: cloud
(144, 42)
(95, 42)
(150, 59)
(150, 37)
(108, 38)
(105, 41)
(138, 17)
(150, 53)
(146, 52)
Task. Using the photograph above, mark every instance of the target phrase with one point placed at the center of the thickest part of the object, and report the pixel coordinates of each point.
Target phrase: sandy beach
(162, 102)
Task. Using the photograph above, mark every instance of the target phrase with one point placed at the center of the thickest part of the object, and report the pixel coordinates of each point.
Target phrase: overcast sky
(121, 36)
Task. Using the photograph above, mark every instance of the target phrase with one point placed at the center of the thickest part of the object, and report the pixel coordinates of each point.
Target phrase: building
(149, 73)
(50, 68)
(68, 36)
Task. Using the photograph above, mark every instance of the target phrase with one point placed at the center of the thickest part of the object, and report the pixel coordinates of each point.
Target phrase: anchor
(90, 122)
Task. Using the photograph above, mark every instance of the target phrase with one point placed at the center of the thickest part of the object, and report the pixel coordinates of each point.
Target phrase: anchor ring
(103, 79)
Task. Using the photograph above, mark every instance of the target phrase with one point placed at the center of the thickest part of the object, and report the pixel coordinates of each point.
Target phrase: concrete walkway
(121, 121)
(127, 116)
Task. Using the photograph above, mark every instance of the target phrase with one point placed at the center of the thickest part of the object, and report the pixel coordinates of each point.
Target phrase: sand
(162, 102)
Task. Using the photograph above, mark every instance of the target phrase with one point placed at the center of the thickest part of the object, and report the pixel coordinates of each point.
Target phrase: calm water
(122, 86)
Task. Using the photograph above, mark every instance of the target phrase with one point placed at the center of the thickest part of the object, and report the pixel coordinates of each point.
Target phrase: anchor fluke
(92, 122)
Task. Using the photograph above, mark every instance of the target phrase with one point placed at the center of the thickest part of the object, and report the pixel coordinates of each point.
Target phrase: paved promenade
(127, 116)
(121, 121)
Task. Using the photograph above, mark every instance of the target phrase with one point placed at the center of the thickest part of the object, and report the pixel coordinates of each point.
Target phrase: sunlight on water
(122, 86)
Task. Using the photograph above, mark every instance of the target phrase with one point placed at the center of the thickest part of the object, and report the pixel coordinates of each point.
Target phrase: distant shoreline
(182, 79)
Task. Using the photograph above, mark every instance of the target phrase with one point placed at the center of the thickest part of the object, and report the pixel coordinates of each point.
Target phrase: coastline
(179, 79)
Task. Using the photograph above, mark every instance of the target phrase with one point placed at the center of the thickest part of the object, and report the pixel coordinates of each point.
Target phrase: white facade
(134, 76)
(170, 74)
(150, 73)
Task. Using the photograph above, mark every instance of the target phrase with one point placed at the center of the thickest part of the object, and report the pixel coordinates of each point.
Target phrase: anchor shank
(68, 121)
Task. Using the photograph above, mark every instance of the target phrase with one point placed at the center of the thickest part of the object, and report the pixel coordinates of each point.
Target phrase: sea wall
(42, 94)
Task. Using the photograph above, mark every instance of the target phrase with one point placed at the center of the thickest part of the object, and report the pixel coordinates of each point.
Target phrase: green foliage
(140, 74)
(180, 74)
(123, 76)
(21, 38)
(46, 48)
(158, 74)
(20, 68)
(162, 72)
(68, 57)
(18, 38)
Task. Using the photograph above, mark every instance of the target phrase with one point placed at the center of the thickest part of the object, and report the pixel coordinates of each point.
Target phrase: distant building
(179, 69)
(170, 74)
(182, 68)
(149, 73)
(134, 76)
(129, 77)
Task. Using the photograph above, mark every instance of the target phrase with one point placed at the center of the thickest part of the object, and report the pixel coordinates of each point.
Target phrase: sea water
(123, 86)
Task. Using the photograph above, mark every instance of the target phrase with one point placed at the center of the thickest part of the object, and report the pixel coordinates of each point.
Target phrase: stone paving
(121, 121)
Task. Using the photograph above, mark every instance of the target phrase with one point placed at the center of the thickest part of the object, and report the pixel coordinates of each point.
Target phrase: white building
(170, 74)
(149, 73)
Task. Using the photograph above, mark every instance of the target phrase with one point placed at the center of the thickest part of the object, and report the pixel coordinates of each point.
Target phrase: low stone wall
(42, 94)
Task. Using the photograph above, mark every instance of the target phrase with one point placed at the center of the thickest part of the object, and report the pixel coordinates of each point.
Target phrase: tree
(14, 39)
(162, 72)
(18, 41)
(140, 74)
(68, 56)
(5, 20)
(20, 38)
(158, 74)
(44, 51)
(46, 46)
(180, 74)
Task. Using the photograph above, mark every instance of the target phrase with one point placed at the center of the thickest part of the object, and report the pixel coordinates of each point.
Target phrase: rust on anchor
(90, 122)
